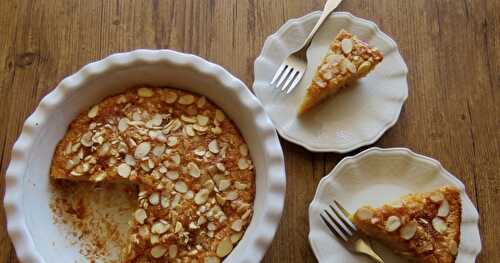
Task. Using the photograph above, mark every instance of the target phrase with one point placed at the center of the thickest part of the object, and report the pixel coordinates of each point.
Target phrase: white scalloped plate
(376, 176)
(29, 218)
(353, 118)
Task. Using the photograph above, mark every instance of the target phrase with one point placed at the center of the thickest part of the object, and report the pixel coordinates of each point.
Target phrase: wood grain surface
(452, 48)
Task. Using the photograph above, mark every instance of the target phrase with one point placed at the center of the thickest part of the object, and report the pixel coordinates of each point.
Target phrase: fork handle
(327, 10)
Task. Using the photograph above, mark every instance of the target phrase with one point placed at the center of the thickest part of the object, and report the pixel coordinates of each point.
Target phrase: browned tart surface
(424, 227)
(190, 163)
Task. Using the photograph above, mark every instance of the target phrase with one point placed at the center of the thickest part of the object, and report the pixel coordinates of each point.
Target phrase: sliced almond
(392, 223)
(237, 225)
(216, 130)
(129, 159)
(159, 227)
(364, 213)
(408, 231)
(172, 175)
(142, 150)
(154, 239)
(154, 198)
(202, 120)
(170, 97)
(199, 151)
(213, 146)
(86, 139)
(144, 232)
(189, 130)
(444, 209)
(439, 225)
(140, 215)
(453, 247)
(176, 158)
(235, 237)
(200, 103)
(164, 202)
(243, 150)
(186, 99)
(93, 111)
(219, 115)
(172, 251)
(346, 45)
(233, 195)
(181, 187)
(201, 197)
(349, 66)
(193, 170)
(178, 227)
(123, 170)
(158, 251)
(201, 220)
(240, 186)
(334, 59)
(243, 164)
(223, 184)
(364, 67)
(188, 119)
(436, 197)
(155, 121)
(172, 141)
(145, 92)
(158, 150)
(224, 247)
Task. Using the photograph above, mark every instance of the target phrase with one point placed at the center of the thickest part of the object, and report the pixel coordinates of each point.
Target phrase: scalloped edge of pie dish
(254, 244)
(468, 253)
(264, 61)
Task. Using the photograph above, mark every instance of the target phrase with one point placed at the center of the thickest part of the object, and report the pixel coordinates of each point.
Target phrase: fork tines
(285, 75)
(342, 226)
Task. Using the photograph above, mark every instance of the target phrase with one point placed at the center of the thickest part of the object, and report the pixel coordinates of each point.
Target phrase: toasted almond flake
(178, 227)
(186, 99)
(349, 66)
(408, 231)
(201, 102)
(346, 45)
(201, 197)
(233, 195)
(219, 115)
(235, 237)
(202, 120)
(176, 158)
(199, 151)
(140, 215)
(334, 59)
(364, 67)
(142, 150)
(172, 251)
(237, 225)
(144, 231)
(364, 213)
(223, 184)
(159, 227)
(453, 247)
(224, 247)
(189, 130)
(444, 209)
(158, 150)
(201, 220)
(123, 170)
(158, 251)
(439, 225)
(392, 223)
(156, 120)
(93, 112)
(181, 187)
(213, 146)
(246, 214)
(188, 119)
(164, 202)
(211, 259)
(129, 159)
(243, 164)
(211, 226)
(86, 139)
(172, 141)
(154, 198)
(170, 97)
(136, 116)
(240, 186)
(189, 195)
(243, 150)
(154, 239)
(209, 185)
(216, 130)
(220, 200)
(145, 92)
(200, 128)
(100, 176)
(172, 175)
(193, 169)
(436, 197)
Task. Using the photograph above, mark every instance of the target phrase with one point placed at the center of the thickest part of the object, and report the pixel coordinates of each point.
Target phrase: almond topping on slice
(346, 45)
(439, 225)
(233, 195)
(392, 223)
(170, 97)
(408, 231)
(213, 146)
(201, 102)
(158, 150)
(237, 225)
(444, 209)
(243, 150)
(123, 124)
(436, 197)
(86, 139)
(142, 150)
(201, 197)
(158, 251)
(172, 175)
(172, 141)
(364, 67)
(364, 213)
(224, 184)
(154, 198)
(145, 92)
(219, 115)
(243, 164)
(193, 169)
(224, 247)
(202, 120)
(235, 237)
(172, 251)
(453, 247)
(123, 170)
(181, 187)
(93, 112)
(211, 259)
(186, 99)
(140, 215)
(159, 227)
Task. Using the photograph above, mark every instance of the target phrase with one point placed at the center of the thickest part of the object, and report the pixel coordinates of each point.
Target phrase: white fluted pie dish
(376, 176)
(353, 118)
(29, 217)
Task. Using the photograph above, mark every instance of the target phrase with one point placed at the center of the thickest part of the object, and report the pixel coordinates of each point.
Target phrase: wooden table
(452, 49)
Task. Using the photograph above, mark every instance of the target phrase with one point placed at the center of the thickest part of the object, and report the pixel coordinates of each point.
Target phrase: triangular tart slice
(347, 60)
(423, 227)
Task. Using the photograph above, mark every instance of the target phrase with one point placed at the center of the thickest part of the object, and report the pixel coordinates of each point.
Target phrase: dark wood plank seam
(474, 175)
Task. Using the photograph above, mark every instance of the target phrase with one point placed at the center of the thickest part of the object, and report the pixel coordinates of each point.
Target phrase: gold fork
(345, 230)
